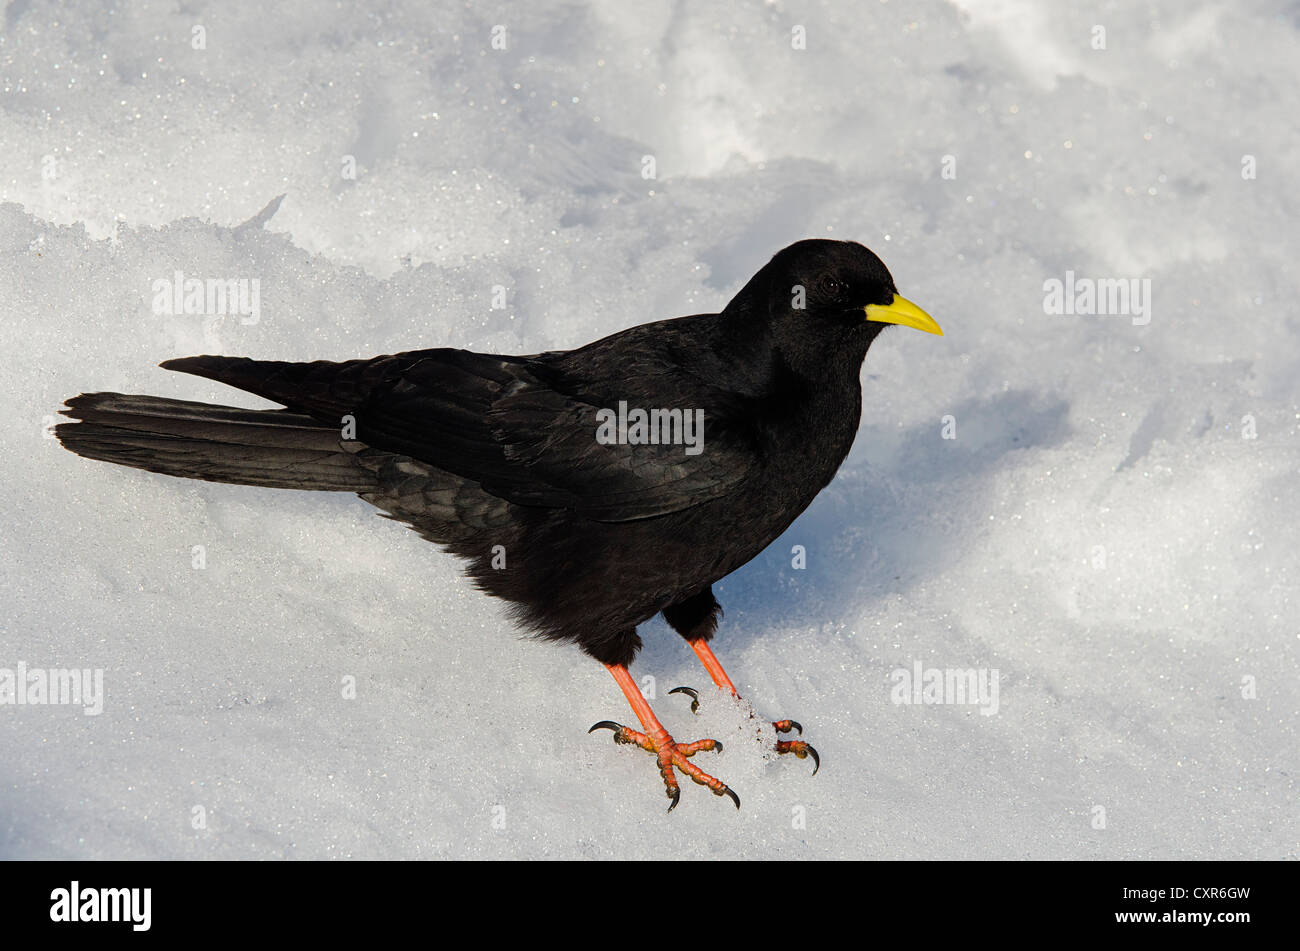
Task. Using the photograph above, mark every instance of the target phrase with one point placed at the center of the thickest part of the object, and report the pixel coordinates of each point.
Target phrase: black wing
(523, 428)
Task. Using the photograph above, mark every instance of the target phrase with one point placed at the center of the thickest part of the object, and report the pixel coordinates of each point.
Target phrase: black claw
(817, 760)
(717, 746)
(676, 796)
(797, 725)
(692, 693)
(620, 731)
(728, 791)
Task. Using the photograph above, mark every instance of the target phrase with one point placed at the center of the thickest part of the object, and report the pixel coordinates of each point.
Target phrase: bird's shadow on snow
(902, 509)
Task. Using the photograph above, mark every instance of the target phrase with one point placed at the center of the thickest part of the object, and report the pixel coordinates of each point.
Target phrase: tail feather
(274, 448)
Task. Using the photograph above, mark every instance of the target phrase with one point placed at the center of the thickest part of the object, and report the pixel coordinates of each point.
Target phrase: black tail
(276, 448)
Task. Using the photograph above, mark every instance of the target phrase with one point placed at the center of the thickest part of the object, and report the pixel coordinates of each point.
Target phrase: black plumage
(495, 457)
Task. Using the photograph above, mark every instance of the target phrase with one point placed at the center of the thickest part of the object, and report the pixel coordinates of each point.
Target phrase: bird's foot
(672, 756)
(799, 748)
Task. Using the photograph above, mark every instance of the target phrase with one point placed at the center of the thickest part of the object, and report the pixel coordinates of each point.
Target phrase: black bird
(590, 488)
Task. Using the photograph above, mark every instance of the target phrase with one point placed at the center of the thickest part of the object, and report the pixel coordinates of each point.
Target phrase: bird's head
(820, 297)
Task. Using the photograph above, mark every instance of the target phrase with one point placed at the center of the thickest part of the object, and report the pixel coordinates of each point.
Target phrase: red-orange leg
(670, 754)
(711, 663)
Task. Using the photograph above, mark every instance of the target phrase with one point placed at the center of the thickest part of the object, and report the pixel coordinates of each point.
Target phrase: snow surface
(1099, 530)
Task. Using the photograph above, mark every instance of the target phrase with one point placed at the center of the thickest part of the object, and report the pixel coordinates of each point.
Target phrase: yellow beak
(902, 311)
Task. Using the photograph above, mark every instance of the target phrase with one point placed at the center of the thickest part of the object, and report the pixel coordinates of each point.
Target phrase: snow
(1101, 531)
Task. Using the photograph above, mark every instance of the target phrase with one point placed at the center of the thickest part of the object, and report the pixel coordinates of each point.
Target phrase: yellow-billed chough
(591, 488)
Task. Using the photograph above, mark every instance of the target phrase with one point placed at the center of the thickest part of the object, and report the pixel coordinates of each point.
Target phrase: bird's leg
(671, 754)
(711, 663)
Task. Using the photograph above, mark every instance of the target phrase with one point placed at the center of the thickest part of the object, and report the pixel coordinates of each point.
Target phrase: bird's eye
(831, 288)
